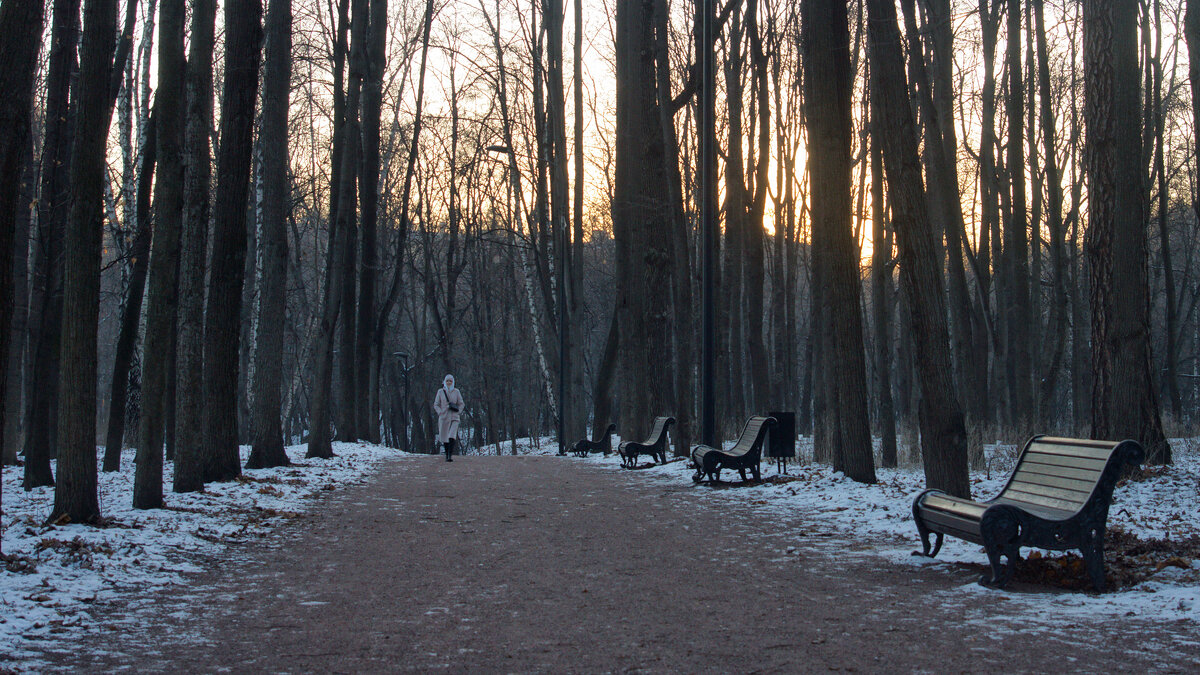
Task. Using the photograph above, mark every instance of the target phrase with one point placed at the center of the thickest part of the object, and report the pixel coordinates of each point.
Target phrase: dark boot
(448, 445)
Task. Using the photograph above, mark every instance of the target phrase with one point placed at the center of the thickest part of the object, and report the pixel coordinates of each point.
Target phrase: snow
(55, 573)
(1160, 507)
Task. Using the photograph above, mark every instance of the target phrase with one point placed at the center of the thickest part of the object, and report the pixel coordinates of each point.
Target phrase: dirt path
(546, 564)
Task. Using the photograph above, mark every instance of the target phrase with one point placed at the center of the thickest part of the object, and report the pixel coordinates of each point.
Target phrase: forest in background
(300, 216)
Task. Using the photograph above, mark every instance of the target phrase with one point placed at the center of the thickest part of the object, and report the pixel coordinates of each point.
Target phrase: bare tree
(164, 256)
(341, 184)
(75, 491)
(367, 358)
(223, 312)
(881, 287)
(943, 432)
(828, 80)
(272, 304)
(190, 436)
(53, 202)
(1055, 335)
(132, 311)
(20, 29)
(1124, 400)
(1019, 322)
(640, 209)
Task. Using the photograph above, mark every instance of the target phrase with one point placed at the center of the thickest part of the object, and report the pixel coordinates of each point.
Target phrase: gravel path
(548, 564)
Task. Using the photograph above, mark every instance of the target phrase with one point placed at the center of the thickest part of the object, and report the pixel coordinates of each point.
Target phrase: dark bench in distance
(1057, 498)
(602, 444)
(745, 454)
(655, 445)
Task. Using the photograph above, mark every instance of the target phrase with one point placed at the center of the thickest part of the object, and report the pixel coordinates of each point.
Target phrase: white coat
(448, 419)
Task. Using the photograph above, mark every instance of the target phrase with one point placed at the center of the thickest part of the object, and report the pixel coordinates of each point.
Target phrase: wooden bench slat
(1069, 496)
(1081, 442)
(1039, 510)
(953, 505)
(1024, 475)
(963, 528)
(1085, 463)
(1101, 453)
(1066, 472)
(1021, 496)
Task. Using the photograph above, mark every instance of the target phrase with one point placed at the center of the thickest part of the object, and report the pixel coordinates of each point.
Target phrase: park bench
(1057, 498)
(745, 454)
(602, 444)
(655, 445)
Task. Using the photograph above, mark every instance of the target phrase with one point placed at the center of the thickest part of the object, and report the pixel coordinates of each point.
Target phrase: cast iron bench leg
(1001, 532)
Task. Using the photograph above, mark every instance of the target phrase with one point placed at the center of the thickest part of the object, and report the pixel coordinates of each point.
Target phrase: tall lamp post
(708, 223)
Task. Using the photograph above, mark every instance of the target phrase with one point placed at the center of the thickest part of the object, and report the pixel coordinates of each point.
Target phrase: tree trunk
(731, 324)
(577, 271)
(75, 491)
(943, 433)
(640, 227)
(17, 384)
(1080, 291)
(1124, 400)
(1019, 320)
(574, 419)
(223, 312)
(602, 391)
(42, 426)
(1171, 358)
(267, 450)
(247, 329)
(367, 365)
(935, 87)
(21, 26)
(190, 434)
(342, 182)
(683, 336)
(347, 409)
(989, 208)
(755, 236)
(828, 80)
(881, 290)
(1191, 31)
(1056, 330)
(164, 256)
(132, 312)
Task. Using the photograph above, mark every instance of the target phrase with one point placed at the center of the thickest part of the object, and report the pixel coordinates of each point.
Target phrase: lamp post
(708, 224)
(403, 357)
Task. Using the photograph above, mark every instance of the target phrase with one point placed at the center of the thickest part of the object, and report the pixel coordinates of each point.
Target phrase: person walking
(448, 403)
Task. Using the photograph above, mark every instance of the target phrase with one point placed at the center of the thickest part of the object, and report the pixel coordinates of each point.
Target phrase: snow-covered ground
(53, 574)
(1164, 507)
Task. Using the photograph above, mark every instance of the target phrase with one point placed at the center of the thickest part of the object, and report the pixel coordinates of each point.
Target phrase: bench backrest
(658, 432)
(604, 437)
(1063, 475)
(752, 434)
